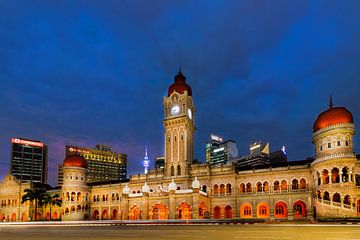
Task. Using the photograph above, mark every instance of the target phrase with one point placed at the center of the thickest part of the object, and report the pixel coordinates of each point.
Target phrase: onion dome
(126, 189)
(195, 183)
(179, 86)
(172, 185)
(75, 161)
(332, 116)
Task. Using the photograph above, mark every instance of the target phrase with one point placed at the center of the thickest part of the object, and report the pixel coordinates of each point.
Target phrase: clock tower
(179, 128)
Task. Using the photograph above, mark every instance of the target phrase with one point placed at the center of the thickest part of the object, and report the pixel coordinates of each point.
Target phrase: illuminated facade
(328, 186)
(29, 160)
(104, 165)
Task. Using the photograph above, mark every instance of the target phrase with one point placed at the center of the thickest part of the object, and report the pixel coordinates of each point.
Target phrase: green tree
(36, 196)
(51, 200)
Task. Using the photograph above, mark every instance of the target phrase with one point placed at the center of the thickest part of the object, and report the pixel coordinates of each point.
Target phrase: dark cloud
(87, 72)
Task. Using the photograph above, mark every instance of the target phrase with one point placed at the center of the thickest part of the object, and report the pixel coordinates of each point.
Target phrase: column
(330, 181)
(195, 203)
(172, 205)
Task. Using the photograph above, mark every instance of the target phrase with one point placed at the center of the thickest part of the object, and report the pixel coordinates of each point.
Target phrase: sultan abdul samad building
(326, 186)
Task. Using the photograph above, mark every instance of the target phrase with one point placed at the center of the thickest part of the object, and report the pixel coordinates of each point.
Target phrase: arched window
(326, 196)
(178, 170)
(336, 197)
(248, 187)
(242, 188)
(335, 178)
(276, 186)
(259, 187)
(302, 183)
(204, 188)
(222, 189)
(228, 188)
(172, 171)
(345, 174)
(325, 176)
(347, 200)
(295, 184)
(266, 187)
(216, 189)
(283, 185)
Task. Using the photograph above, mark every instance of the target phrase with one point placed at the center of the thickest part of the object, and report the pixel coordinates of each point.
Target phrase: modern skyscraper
(218, 151)
(29, 160)
(103, 164)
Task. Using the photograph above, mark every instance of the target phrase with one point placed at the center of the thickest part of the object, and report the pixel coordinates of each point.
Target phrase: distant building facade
(218, 151)
(29, 160)
(103, 164)
(326, 186)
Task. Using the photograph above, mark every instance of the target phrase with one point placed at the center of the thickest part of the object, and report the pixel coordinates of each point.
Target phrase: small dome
(195, 183)
(126, 189)
(172, 185)
(145, 188)
(75, 161)
(179, 86)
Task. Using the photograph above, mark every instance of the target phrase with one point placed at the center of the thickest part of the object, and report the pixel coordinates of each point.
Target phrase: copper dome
(179, 86)
(75, 161)
(332, 116)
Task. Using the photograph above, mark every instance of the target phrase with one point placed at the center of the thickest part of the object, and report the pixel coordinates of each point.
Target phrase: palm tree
(52, 200)
(34, 195)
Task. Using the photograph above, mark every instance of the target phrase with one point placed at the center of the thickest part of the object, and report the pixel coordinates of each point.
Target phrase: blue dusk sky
(89, 72)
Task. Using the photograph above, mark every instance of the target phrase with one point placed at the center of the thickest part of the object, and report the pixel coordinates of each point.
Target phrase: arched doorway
(2, 217)
(13, 217)
(202, 210)
(280, 210)
(263, 210)
(246, 211)
(114, 214)
(217, 212)
(38, 216)
(105, 215)
(55, 216)
(299, 210)
(184, 211)
(96, 215)
(23, 217)
(159, 212)
(135, 213)
(228, 212)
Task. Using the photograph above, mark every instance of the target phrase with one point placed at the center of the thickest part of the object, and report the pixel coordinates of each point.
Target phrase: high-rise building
(159, 162)
(218, 151)
(29, 160)
(103, 164)
(60, 175)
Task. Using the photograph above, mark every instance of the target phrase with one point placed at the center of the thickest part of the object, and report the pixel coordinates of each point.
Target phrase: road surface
(175, 232)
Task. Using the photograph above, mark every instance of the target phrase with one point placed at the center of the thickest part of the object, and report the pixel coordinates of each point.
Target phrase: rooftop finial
(331, 102)
(180, 68)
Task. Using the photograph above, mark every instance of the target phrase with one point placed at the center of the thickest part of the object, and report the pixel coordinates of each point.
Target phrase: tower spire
(146, 161)
(180, 68)
(331, 101)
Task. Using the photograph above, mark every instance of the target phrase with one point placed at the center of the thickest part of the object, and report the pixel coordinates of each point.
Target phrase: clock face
(189, 113)
(175, 109)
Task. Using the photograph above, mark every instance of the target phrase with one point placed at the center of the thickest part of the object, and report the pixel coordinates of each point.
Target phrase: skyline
(80, 73)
